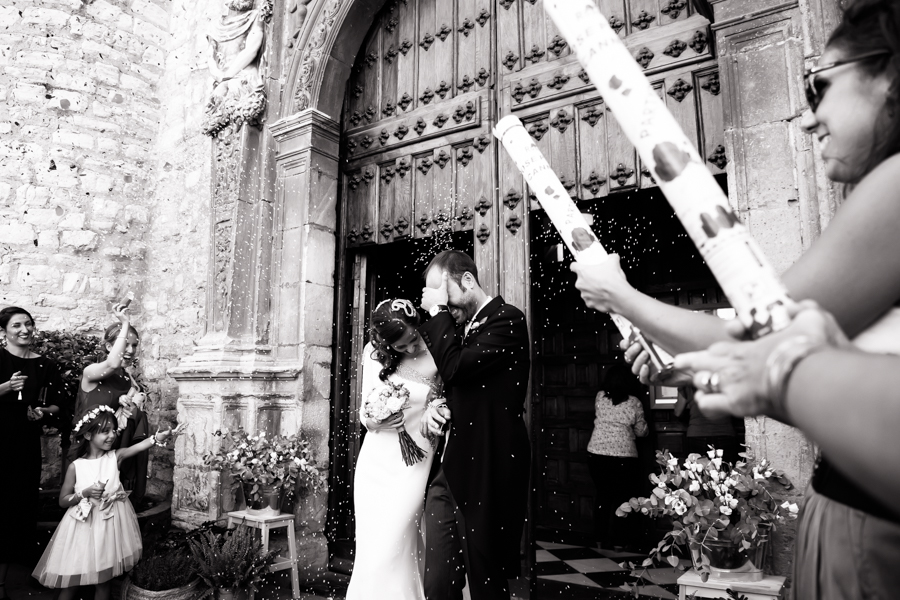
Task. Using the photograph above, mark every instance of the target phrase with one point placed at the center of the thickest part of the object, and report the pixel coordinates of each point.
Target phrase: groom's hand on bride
(435, 421)
(435, 296)
(395, 421)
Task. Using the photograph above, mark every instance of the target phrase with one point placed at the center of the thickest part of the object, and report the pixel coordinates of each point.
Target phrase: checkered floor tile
(580, 573)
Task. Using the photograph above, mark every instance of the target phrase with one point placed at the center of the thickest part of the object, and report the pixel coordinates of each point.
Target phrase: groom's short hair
(456, 264)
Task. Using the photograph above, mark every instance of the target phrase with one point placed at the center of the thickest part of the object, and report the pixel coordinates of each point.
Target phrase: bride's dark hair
(390, 320)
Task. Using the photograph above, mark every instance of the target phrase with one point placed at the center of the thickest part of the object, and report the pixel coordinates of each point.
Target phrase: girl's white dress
(105, 544)
(389, 497)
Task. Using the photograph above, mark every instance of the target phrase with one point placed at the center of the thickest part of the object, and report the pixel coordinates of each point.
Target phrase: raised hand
(603, 285)
(435, 296)
(17, 381)
(121, 313)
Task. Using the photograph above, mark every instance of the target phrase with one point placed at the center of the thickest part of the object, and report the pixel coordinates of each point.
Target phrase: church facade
(262, 172)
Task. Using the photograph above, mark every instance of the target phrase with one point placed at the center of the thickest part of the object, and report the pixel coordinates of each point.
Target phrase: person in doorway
(848, 539)
(476, 500)
(388, 494)
(612, 454)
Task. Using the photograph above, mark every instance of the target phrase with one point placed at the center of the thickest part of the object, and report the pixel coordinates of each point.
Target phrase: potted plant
(167, 573)
(722, 513)
(230, 563)
(264, 467)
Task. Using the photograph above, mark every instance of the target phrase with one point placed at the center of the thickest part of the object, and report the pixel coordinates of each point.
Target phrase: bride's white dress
(389, 496)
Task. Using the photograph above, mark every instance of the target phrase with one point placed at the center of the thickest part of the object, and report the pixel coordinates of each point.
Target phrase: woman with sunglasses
(848, 541)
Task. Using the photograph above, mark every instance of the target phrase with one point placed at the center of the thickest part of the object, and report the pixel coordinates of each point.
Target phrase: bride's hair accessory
(401, 305)
(90, 416)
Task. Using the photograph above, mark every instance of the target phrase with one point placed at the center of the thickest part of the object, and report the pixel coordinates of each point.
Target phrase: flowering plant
(710, 500)
(389, 399)
(264, 461)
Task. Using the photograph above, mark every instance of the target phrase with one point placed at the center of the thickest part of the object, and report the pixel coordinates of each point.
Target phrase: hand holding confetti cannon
(568, 220)
(746, 277)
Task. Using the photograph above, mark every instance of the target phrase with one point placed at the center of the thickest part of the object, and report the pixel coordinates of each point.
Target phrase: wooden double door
(422, 170)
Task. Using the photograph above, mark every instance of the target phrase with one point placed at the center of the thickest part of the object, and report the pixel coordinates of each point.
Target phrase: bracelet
(437, 402)
(780, 366)
(156, 441)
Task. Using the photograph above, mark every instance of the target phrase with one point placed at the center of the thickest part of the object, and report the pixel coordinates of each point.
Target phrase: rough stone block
(80, 240)
(105, 73)
(42, 218)
(45, 16)
(75, 81)
(96, 31)
(36, 275)
(41, 60)
(102, 52)
(16, 233)
(67, 100)
(104, 11)
(29, 93)
(67, 137)
(154, 56)
(151, 12)
(777, 230)
(130, 82)
(57, 301)
(151, 33)
(5, 191)
(32, 195)
(48, 239)
(8, 16)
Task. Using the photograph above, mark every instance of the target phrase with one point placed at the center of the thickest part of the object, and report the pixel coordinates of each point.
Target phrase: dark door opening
(574, 345)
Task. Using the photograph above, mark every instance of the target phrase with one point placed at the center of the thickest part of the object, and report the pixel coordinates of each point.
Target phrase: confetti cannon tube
(746, 276)
(568, 220)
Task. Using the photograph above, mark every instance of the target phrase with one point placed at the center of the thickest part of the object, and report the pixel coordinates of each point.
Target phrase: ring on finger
(714, 382)
(703, 380)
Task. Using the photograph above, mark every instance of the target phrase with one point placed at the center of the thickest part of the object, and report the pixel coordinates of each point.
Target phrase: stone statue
(236, 62)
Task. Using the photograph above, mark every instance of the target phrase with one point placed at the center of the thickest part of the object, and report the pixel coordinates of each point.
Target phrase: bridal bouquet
(390, 399)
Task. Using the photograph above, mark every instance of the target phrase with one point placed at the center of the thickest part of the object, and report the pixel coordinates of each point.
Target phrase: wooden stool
(266, 524)
(769, 588)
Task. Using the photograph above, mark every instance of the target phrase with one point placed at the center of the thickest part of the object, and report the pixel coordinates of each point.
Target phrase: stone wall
(104, 175)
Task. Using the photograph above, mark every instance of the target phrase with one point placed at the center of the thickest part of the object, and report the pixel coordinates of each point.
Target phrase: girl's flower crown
(90, 416)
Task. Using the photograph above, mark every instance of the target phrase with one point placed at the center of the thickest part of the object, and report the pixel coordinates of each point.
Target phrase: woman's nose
(808, 121)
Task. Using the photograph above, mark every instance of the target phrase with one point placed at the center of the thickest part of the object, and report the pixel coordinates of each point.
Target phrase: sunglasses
(813, 95)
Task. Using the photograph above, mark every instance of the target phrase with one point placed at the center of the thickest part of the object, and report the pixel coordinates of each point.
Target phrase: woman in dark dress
(107, 382)
(30, 388)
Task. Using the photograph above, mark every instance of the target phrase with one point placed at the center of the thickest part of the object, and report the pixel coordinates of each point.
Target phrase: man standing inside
(476, 501)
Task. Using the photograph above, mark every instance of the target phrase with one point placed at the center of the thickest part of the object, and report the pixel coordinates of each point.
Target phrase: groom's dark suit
(487, 456)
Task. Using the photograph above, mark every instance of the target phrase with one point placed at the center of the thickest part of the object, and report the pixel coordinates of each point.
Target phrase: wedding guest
(847, 538)
(613, 456)
(31, 389)
(109, 383)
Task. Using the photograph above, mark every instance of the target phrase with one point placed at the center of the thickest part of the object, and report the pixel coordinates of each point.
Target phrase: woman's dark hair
(112, 332)
(9, 312)
(867, 26)
(456, 264)
(619, 383)
(81, 445)
(390, 320)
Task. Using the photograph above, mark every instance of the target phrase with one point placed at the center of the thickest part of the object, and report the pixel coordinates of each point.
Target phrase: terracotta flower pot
(186, 592)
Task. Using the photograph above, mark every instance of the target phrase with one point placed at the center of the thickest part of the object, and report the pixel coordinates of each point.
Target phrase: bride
(389, 496)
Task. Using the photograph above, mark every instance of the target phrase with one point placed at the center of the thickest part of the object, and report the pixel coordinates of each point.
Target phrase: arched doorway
(420, 83)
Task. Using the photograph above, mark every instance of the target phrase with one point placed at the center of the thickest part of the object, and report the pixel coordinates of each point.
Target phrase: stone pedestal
(690, 585)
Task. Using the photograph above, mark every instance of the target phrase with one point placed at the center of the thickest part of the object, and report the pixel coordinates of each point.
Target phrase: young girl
(98, 538)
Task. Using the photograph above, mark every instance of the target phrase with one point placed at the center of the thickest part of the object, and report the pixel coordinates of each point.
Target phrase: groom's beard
(465, 310)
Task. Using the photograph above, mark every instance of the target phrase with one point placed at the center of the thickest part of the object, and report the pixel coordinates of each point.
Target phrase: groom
(475, 504)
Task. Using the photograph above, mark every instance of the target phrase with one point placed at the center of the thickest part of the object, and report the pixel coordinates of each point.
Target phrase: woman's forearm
(849, 404)
(675, 329)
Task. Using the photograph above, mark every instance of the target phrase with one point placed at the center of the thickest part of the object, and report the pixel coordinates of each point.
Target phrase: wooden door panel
(428, 69)
(534, 32)
(672, 10)
(643, 14)
(390, 42)
(443, 188)
(615, 12)
(423, 189)
(591, 122)
(646, 178)
(622, 165)
(443, 50)
(361, 204)
(509, 39)
(712, 125)
(562, 135)
(387, 192)
(407, 47)
(403, 203)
